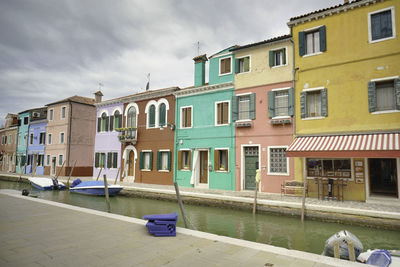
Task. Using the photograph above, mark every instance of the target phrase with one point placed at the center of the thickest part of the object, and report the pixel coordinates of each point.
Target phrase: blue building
(36, 142)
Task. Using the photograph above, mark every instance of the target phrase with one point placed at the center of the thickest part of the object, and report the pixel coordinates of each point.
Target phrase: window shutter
(291, 102)
(302, 44)
(271, 104)
(162, 114)
(322, 39)
(115, 160)
(120, 121)
(96, 160)
(225, 112)
(152, 116)
(158, 160)
(284, 56)
(216, 160)
(98, 124)
(190, 159)
(109, 158)
(324, 102)
(107, 122)
(111, 123)
(252, 111)
(397, 93)
(169, 160)
(151, 161)
(303, 98)
(271, 58)
(141, 161)
(179, 160)
(237, 66)
(371, 96)
(235, 114)
(246, 63)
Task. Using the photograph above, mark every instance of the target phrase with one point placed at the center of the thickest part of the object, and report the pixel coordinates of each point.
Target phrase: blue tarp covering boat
(94, 188)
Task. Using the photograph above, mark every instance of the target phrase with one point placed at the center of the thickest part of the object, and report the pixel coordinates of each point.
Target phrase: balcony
(127, 135)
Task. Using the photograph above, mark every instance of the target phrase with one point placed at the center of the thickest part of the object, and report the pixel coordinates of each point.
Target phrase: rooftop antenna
(198, 48)
(148, 82)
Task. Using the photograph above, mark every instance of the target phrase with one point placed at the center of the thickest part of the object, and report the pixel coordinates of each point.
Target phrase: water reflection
(275, 230)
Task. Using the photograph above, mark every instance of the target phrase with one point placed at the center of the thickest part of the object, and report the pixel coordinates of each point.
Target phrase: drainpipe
(293, 82)
(69, 137)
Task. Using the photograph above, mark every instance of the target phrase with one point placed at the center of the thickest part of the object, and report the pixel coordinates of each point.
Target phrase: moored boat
(43, 183)
(94, 188)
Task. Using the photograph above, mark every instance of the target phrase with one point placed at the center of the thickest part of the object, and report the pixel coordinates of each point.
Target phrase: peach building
(263, 113)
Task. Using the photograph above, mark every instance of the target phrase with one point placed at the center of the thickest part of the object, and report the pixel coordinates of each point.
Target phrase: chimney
(200, 70)
(346, 1)
(97, 96)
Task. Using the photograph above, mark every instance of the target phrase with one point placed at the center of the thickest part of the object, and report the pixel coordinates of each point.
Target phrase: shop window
(329, 168)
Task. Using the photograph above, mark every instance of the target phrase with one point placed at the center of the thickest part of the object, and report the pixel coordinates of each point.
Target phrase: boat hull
(45, 184)
(96, 191)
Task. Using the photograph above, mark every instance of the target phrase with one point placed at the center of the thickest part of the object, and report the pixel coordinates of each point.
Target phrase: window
(222, 113)
(384, 95)
(42, 138)
(152, 116)
(242, 65)
(112, 160)
(115, 120)
(332, 168)
(5, 139)
(162, 115)
(26, 120)
(243, 107)
(186, 117)
(280, 103)
(314, 103)
(221, 160)
(51, 114)
(61, 138)
(99, 160)
(102, 123)
(49, 139)
(40, 160)
(312, 41)
(225, 66)
(164, 160)
(277, 161)
(381, 25)
(277, 57)
(146, 160)
(63, 111)
(184, 159)
(10, 139)
(131, 118)
(60, 160)
(48, 160)
(31, 139)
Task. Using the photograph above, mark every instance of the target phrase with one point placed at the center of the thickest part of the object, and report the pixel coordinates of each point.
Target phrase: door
(203, 167)
(34, 164)
(250, 167)
(131, 163)
(53, 166)
(383, 177)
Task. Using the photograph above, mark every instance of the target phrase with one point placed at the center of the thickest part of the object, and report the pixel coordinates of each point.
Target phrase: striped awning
(379, 145)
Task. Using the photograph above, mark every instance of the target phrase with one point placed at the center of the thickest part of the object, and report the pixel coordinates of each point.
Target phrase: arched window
(117, 120)
(152, 116)
(104, 122)
(163, 115)
(131, 120)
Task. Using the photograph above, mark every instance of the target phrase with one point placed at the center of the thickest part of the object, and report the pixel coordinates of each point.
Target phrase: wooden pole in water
(116, 177)
(106, 193)
(180, 203)
(350, 247)
(73, 167)
(98, 175)
(303, 203)
(62, 166)
(255, 199)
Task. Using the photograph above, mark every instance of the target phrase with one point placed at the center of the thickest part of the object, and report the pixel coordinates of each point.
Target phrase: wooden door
(131, 163)
(250, 161)
(204, 167)
(53, 166)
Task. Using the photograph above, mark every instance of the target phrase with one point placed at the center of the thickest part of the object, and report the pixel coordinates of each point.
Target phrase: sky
(51, 50)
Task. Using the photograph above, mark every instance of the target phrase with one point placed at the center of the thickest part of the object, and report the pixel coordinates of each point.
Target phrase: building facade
(8, 143)
(263, 109)
(347, 95)
(22, 142)
(36, 142)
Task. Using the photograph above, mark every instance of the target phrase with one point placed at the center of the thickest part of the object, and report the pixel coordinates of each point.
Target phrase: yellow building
(347, 98)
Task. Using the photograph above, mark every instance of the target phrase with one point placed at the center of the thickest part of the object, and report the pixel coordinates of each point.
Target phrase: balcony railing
(127, 135)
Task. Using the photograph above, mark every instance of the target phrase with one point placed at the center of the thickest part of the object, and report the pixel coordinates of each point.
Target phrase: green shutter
(322, 39)
(302, 44)
(397, 93)
(271, 58)
(284, 56)
(151, 161)
(107, 122)
(291, 102)
(120, 121)
(237, 66)
(246, 64)
(115, 160)
(158, 160)
(152, 116)
(141, 163)
(109, 158)
(96, 160)
(111, 123)
(371, 96)
(169, 160)
(271, 104)
(324, 102)
(303, 102)
(98, 124)
(235, 114)
(162, 114)
(252, 112)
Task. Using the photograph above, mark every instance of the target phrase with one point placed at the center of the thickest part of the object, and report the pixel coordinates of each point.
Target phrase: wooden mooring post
(116, 177)
(303, 203)
(180, 203)
(62, 166)
(70, 173)
(106, 193)
(98, 175)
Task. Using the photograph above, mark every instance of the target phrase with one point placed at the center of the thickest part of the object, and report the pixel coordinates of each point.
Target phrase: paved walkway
(36, 232)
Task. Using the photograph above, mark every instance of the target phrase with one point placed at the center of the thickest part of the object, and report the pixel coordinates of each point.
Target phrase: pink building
(263, 113)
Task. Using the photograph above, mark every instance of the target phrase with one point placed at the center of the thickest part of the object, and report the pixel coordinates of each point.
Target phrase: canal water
(276, 230)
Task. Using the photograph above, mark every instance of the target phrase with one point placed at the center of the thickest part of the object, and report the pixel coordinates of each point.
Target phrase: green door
(250, 162)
